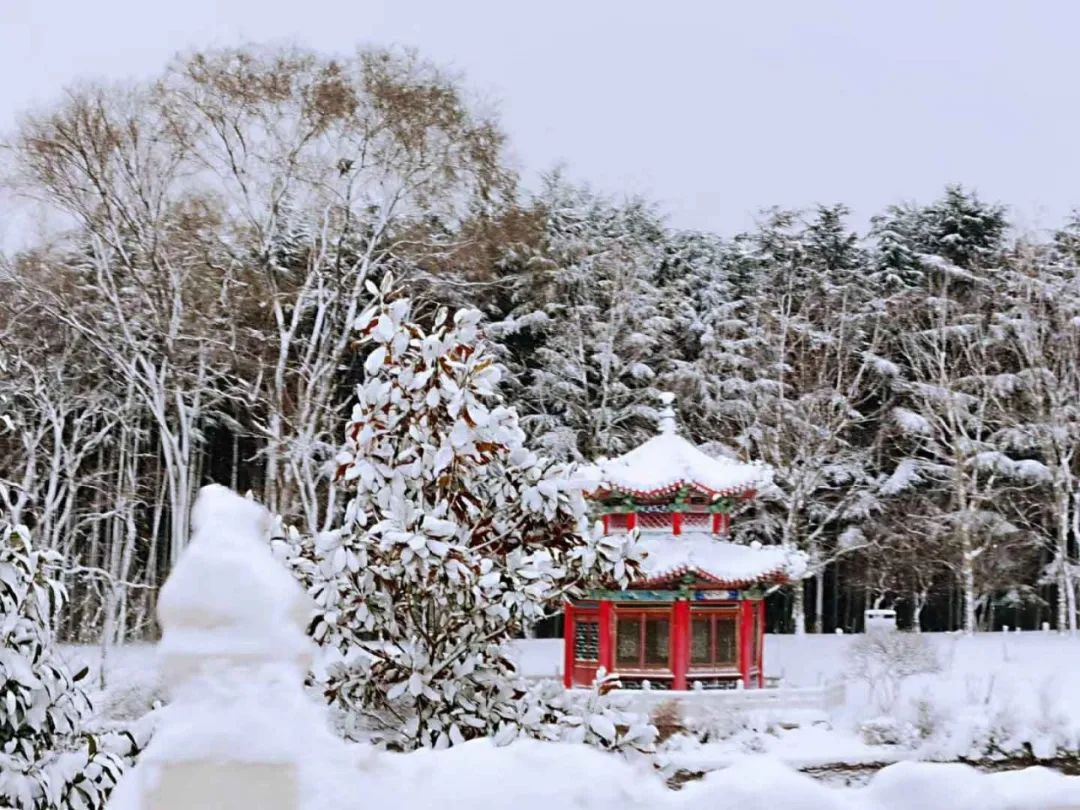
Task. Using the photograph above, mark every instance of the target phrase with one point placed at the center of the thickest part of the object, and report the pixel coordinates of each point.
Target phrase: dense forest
(190, 319)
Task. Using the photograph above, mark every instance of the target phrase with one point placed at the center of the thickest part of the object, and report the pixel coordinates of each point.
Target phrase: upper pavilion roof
(667, 462)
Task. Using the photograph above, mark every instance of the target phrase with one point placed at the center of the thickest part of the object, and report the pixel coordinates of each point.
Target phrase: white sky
(714, 108)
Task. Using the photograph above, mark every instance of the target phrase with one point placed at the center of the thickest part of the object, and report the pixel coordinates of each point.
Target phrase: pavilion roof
(667, 462)
(718, 562)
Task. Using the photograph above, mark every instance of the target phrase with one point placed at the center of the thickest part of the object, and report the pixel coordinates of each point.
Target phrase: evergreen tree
(586, 375)
(713, 347)
(458, 536)
(47, 761)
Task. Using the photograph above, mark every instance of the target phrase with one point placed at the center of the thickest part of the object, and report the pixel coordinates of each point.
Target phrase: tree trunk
(1066, 607)
(967, 586)
(819, 602)
(918, 602)
(798, 607)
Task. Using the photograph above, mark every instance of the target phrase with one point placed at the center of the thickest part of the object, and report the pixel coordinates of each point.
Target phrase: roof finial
(667, 413)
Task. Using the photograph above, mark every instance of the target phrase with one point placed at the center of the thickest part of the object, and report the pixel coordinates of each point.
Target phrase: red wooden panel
(697, 522)
(654, 520)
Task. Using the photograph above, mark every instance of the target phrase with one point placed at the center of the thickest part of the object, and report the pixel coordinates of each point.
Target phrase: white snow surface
(984, 679)
(668, 461)
(729, 563)
(1010, 690)
(532, 775)
(227, 593)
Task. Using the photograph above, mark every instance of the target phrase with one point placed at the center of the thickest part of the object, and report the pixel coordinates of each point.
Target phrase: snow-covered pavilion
(695, 618)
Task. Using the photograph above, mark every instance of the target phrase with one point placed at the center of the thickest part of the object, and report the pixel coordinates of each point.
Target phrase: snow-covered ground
(1004, 692)
(997, 694)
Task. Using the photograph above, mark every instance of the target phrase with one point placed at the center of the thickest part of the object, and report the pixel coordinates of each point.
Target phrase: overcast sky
(713, 108)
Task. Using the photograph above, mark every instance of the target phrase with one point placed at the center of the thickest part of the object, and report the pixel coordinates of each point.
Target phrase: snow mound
(228, 594)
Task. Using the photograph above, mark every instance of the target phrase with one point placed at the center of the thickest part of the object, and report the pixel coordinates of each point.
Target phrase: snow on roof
(722, 562)
(667, 462)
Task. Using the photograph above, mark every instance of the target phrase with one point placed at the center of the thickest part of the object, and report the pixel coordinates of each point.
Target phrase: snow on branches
(46, 760)
(457, 537)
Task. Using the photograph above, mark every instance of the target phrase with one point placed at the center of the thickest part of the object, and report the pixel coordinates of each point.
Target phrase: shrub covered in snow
(887, 730)
(547, 711)
(884, 660)
(47, 760)
(457, 537)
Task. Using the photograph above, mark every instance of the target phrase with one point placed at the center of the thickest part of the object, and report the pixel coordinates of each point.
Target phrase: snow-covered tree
(589, 330)
(1038, 322)
(812, 386)
(47, 761)
(457, 536)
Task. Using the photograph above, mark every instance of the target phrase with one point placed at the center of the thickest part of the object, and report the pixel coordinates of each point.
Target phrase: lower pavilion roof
(717, 562)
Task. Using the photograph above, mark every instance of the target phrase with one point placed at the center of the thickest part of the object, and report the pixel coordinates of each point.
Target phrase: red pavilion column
(568, 645)
(760, 641)
(607, 627)
(680, 643)
(746, 628)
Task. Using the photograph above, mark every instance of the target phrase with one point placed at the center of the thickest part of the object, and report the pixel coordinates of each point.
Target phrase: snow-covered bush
(928, 715)
(47, 759)
(713, 724)
(887, 730)
(998, 720)
(884, 660)
(547, 711)
(457, 536)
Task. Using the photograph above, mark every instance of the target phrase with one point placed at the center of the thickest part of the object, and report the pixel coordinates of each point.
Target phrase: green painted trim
(668, 596)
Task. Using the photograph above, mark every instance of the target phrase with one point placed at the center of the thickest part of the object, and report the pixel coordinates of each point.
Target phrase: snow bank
(530, 775)
(920, 785)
